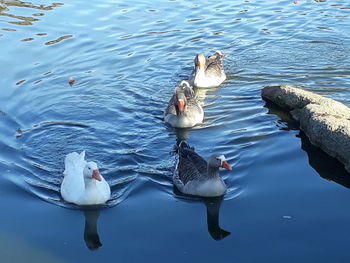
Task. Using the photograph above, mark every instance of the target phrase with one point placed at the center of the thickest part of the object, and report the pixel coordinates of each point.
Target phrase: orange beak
(96, 175)
(181, 105)
(226, 165)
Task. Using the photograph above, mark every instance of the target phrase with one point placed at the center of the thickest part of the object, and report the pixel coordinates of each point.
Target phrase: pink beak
(96, 174)
(226, 165)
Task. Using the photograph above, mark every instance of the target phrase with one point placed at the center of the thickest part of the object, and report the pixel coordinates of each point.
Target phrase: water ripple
(126, 63)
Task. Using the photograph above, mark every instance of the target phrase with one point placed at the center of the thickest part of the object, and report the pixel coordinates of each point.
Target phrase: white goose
(82, 183)
(208, 72)
(195, 176)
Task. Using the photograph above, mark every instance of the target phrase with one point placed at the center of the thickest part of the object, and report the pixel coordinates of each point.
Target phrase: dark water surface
(286, 200)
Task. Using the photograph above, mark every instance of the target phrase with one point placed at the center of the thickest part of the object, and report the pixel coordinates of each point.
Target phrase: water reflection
(201, 94)
(286, 121)
(91, 236)
(18, 3)
(5, 6)
(182, 134)
(213, 211)
(212, 205)
(326, 166)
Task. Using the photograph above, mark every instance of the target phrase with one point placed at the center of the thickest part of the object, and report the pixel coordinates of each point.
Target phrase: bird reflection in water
(213, 209)
(182, 134)
(202, 94)
(91, 237)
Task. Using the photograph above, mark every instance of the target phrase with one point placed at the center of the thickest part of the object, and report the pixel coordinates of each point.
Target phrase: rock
(290, 97)
(295, 114)
(325, 121)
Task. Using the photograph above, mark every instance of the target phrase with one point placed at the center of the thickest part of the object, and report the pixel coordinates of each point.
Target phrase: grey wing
(217, 57)
(191, 166)
(192, 102)
(214, 69)
(171, 107)
(211, 59)
(194, 106)
(215, 64)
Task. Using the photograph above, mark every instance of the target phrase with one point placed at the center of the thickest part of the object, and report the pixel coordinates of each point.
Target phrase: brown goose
(195, 176)
(208, 72)
(183, 110)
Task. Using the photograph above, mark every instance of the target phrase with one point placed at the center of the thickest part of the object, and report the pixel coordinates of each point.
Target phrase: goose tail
(182, 145)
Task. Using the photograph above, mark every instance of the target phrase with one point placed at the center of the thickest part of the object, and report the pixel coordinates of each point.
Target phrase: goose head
(182, 92)
(199, 62)
(217, 161)
(180, 103)
(91, 171)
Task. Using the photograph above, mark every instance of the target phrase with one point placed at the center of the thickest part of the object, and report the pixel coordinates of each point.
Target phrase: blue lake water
(286, 200)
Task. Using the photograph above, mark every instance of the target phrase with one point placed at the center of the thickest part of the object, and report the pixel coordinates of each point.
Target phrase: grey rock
(325, 121)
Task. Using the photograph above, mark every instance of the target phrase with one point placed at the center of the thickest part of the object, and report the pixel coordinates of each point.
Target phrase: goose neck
(89, 182)
(212, 171)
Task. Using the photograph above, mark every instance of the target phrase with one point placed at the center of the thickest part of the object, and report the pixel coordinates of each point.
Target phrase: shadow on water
(91, 236)
(326, 166)
(213, 211)
(286, 121)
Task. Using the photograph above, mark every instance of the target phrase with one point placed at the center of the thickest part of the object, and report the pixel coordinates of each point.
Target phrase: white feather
(75, 189)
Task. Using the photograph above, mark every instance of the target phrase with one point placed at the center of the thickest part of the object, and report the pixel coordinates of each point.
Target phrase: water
(286, 200)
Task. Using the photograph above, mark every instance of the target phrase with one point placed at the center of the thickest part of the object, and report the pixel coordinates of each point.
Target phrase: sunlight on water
(125, 59)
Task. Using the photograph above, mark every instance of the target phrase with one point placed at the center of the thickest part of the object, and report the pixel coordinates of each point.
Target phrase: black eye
(89, 168)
